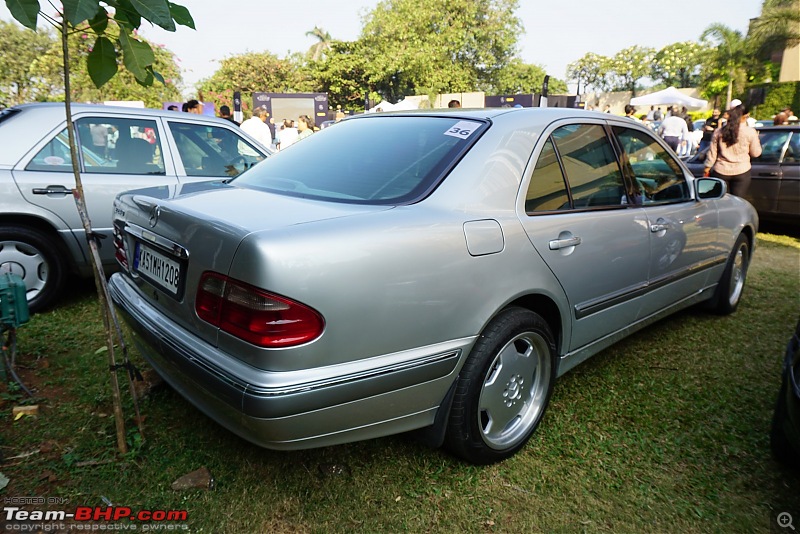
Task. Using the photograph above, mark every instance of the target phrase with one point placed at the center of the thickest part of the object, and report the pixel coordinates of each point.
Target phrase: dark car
(785, 435)
(775, 188)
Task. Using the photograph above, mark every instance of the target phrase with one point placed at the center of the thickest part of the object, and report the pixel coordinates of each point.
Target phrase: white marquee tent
(669, 96)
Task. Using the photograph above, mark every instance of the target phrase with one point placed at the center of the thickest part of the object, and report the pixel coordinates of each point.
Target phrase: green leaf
(102, 61)
(76, 11)
(24, 11)
(156, 11)
(126, 15)
(148, 79)
(157, 75)
(136, 56)
(99, 22)
(181, 15)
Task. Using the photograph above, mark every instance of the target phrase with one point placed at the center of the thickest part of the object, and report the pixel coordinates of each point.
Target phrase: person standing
(305, 127)
(711, 124)
(256, 127)
(193, 106)
(225, 113)
(287, 136)
(630, 113)
(673, 129)
(730, 151)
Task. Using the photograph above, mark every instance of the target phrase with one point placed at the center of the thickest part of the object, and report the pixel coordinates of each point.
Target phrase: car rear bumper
(289, 410)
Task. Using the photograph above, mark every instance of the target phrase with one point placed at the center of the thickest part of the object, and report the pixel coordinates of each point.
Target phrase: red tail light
(119, 247)
(255, 315)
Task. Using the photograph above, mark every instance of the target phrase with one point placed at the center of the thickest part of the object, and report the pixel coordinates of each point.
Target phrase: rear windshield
(370, 160)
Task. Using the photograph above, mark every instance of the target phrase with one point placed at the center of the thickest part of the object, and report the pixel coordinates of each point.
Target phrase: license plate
(158, 268)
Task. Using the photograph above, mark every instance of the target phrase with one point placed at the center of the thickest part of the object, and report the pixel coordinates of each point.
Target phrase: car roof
(781, 127)
(52, 107)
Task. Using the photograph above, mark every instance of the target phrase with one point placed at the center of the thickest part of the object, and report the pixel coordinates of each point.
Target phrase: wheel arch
(749, 232)
(434, 436)
(547, 308)
(44, 226)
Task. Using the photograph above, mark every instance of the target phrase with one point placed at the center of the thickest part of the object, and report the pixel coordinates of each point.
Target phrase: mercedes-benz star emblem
(154, 216)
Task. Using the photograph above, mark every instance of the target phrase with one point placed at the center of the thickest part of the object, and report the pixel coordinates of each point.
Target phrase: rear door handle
(52, 190)
(769, 174)
(557, 244)
(660, 225)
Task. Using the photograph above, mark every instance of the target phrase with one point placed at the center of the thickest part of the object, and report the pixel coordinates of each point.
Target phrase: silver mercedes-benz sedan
(431, 271)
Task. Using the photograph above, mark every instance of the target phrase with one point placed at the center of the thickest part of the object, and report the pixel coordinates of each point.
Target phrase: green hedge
(777, 96)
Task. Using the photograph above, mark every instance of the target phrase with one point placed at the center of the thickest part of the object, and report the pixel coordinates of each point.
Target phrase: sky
(556, 33)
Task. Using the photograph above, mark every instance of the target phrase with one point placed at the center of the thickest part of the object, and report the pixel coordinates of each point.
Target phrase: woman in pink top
(731, 148)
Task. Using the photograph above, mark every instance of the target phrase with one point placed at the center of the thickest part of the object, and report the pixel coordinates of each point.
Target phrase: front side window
(590, 166)
(370, 160)
(772, 143)
(655, 175)
(212, 150)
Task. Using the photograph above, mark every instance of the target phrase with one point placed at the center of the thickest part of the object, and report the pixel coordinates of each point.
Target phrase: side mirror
(710, 188)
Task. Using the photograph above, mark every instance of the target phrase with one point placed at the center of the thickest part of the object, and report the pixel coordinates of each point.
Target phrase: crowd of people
(726, 139)
(260, 127)
(678, 129)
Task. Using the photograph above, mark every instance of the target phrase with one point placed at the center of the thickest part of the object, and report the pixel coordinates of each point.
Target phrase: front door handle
(52, 190)
(769, 174)
(557, 244)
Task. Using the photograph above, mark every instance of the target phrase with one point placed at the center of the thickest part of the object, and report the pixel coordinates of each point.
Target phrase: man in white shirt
(257, 128)
(673, 129)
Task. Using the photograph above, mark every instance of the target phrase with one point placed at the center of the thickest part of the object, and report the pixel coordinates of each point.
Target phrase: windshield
(370, 160)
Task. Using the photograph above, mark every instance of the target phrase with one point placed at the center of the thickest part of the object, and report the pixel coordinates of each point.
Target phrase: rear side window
(107, 145)
(590, 166)
(374, 160)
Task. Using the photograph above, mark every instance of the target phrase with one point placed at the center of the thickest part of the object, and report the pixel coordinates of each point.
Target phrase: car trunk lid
(172, 240)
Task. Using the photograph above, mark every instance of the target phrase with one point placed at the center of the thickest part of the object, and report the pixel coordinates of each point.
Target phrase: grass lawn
(668, 431)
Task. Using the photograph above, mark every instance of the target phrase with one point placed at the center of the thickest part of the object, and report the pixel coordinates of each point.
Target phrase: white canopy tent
(668, 96)
(403, 105)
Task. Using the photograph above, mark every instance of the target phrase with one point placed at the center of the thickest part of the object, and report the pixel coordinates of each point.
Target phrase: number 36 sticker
(463, 129)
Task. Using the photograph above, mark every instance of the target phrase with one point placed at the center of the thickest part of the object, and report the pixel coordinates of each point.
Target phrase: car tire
(503, 389)
(731, 284)
(33, 255)
(782, 449)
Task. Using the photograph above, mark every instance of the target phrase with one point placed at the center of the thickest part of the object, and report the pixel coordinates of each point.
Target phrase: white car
(41, 236)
